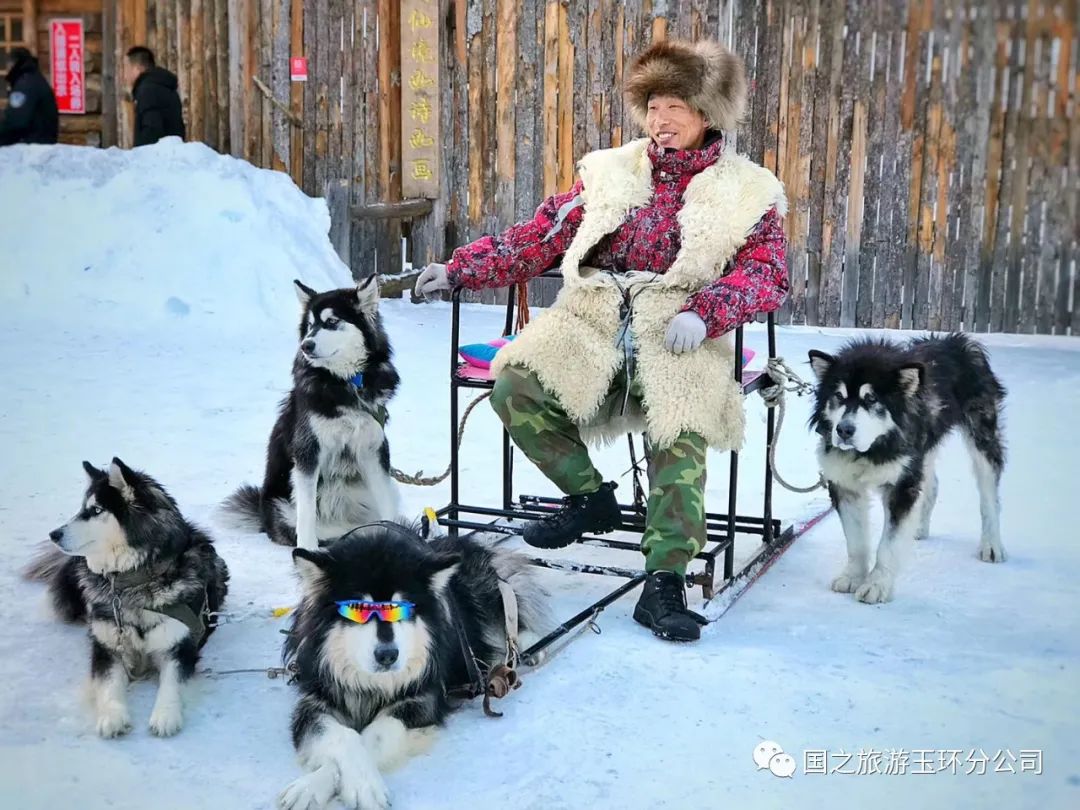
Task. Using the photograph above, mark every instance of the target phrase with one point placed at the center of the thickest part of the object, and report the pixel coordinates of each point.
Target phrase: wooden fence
(930, 148)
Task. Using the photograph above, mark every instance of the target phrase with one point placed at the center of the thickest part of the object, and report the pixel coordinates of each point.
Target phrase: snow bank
(170, 235)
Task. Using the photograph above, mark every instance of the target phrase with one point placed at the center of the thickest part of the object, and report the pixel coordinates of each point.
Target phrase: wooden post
(420, 85)
(428, 231)
(310, 49)
(337, 200)
(526, 109)
(110, 60)
(505, 130)
(221, 54)
(196, 88)
(278, 81)
(296, 91)
(30, 38)
(237, 95)
(389, 259)
(550, 152)
(565, 147)
(210, 80)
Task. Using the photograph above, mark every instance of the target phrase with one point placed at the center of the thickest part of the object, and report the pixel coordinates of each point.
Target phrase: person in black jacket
(31, 115)
(158, 112)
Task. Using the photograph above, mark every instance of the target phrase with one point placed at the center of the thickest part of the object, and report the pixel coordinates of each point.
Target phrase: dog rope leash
(419, 479)
(784, 380)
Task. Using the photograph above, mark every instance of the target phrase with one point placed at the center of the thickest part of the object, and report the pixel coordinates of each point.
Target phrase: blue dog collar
(358, 379)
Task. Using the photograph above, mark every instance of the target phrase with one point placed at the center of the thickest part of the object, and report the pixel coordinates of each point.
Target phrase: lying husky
(882, 412)
(147, 582)
(328, 460)
(375, 646)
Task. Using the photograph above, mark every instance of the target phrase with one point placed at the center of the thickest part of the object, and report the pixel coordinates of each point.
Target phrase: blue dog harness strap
(358, 379)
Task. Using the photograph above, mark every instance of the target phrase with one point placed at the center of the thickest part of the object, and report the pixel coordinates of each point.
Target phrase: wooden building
(28, 23)
(930, 148)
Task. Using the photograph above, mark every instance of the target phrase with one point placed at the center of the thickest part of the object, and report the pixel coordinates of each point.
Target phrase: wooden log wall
(930, 148)
(192, 39)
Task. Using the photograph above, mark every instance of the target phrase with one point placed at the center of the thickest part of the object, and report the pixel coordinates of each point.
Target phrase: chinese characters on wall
(419, 98)
(66, 43)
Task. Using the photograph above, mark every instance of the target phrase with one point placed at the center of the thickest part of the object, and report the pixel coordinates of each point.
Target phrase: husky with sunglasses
(375, 646)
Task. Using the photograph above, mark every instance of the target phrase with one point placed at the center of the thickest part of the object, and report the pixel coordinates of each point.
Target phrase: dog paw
(874, 591)
(846, 582)
(992, 553)
(363, 789)
(113, 721)
(166, 720)
(311, 791)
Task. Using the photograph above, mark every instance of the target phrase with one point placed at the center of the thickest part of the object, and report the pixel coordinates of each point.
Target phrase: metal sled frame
(721, 528)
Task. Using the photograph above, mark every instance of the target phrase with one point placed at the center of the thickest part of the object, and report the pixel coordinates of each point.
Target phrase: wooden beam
(406, 209)
(30, 25)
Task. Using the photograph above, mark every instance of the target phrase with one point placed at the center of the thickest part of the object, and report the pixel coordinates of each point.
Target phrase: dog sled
(714, 568)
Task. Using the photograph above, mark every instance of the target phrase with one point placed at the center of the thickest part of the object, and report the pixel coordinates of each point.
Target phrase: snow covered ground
(161, 331)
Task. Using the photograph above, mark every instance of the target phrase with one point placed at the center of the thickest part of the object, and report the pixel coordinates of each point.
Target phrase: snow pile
(171, 234)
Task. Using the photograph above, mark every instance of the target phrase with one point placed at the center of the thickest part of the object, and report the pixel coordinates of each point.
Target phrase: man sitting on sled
(666, 244)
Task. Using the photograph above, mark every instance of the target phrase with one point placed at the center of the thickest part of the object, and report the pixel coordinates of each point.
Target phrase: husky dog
(328, 460)
(145, 580)
(372, 694)
(882, 411)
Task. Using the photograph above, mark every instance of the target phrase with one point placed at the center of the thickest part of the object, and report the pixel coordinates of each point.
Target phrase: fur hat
(705, 75)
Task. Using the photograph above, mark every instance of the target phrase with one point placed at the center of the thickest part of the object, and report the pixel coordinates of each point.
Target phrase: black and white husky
(145, 580)
(373, 694)
(328, 460)
(882, 411)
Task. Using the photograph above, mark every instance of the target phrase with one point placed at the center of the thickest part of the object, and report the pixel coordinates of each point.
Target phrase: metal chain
(785, 380)
(418, 479)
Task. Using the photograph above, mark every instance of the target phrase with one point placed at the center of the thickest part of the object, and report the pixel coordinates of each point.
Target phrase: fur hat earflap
(704, 74)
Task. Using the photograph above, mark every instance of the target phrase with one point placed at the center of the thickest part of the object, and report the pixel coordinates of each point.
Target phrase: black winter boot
(594, 513)
(662, 608)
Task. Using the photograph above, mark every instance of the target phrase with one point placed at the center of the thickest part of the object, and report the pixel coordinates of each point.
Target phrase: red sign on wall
(66, 47)
(298, 69)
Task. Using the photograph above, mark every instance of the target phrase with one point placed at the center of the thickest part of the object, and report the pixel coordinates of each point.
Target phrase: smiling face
(673, 124)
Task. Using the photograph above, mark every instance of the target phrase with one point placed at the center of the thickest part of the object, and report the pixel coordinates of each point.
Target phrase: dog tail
(243, 509)
(61, 573)
(44, 565)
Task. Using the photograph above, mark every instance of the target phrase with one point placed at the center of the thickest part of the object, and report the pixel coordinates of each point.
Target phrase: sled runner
(713, 569)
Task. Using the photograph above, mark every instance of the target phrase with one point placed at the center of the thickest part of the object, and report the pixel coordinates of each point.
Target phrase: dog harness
(194, 616)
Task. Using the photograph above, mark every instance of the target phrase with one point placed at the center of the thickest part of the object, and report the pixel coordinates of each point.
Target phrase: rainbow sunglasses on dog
(361, 612)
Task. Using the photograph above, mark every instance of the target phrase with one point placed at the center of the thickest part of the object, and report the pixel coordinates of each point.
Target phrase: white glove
(432, 279)
(685, 333)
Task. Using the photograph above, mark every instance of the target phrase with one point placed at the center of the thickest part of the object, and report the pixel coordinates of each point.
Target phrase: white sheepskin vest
(573, 347)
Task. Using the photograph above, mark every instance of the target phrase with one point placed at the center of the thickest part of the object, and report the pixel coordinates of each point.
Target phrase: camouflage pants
(541, 429)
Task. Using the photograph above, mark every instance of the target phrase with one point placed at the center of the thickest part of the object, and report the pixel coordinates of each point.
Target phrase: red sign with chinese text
(66, 49)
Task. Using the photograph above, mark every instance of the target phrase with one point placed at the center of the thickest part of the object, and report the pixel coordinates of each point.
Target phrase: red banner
(66, 47)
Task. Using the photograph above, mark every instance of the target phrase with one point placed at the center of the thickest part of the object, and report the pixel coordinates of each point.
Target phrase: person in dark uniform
(158, 112)
(31, 115)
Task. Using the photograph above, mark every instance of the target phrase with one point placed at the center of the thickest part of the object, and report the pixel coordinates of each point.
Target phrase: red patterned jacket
(648, 240)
